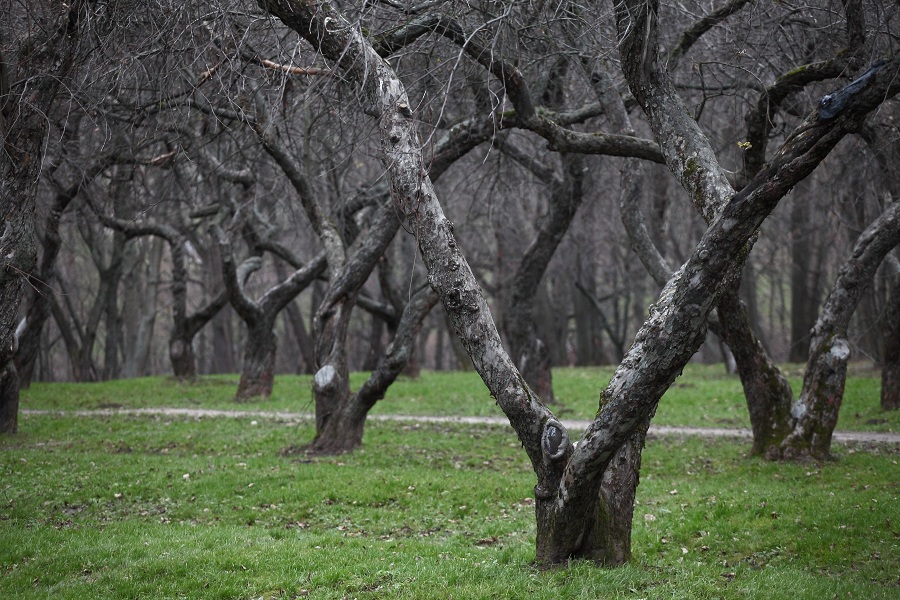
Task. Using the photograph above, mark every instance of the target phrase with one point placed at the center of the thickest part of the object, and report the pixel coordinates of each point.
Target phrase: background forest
(158, 174)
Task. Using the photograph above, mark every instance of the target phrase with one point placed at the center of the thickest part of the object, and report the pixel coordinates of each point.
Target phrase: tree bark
(569, 478)
(816, 410)
(257, 371)
(342, 430)
(766, 390)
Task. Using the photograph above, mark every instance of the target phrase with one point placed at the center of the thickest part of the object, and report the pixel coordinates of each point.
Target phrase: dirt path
(866, 437)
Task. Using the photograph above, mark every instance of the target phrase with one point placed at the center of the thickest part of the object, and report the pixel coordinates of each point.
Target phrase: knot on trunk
(554, 441)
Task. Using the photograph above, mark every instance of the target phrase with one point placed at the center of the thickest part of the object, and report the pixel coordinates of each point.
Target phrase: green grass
(151, 507)
(705, 396)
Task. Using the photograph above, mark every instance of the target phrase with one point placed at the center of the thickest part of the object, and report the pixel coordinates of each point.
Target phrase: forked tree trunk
(258, 369)
(342, 428)
(606, 536)
(569, 479)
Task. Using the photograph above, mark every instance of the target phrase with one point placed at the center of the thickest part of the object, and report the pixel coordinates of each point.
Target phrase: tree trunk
(569, 478)
(41, 282)
(766, 390)
(816, 410)
(606, 539)
(143, 318)
(182, 357)
(111, 310)
(342, 430)
(41, 55)
(890, 370)
(258, 370)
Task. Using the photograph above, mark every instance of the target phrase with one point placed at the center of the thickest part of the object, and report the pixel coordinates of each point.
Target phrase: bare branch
(294, 70)
(701, 26)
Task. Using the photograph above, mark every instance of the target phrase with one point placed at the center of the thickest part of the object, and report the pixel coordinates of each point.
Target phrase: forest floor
(856, 437)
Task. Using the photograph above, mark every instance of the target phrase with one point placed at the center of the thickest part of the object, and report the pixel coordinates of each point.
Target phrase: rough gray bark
(342, 431)
(569, 479)
(816, 410)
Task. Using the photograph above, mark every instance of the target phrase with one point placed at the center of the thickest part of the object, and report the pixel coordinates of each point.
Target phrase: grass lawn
(151, 507)
(704, 396)
(125, 506)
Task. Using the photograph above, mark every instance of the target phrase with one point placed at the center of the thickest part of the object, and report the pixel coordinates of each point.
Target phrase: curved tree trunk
(816, 410)
(766, 390)
(569, 478)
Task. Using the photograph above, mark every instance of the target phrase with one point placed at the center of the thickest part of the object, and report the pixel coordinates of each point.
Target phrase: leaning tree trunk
(890, 370)
(766, 390)
(816, 410)
(569, 477)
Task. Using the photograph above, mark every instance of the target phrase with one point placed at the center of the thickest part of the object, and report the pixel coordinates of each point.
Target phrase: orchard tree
(574, 518)
(39, 47)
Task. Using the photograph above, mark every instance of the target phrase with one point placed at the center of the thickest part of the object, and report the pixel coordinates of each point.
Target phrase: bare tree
(570, 519)
(39, 45)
